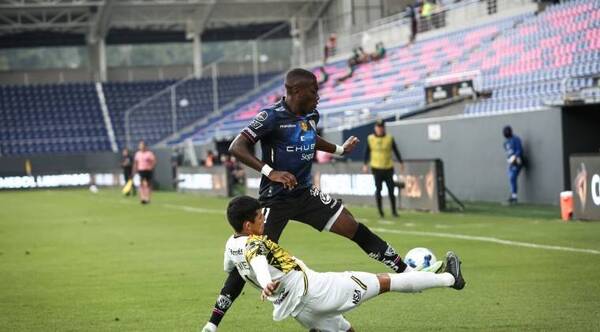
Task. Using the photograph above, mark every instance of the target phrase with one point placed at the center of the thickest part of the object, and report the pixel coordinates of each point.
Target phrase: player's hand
(401, 167)
(269, 290)
(365, 169)
(209, 327)
(350, 144)
(288, 179)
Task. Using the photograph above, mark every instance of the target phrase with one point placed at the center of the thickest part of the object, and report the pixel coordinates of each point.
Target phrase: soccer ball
(419, 258)
(94, 189)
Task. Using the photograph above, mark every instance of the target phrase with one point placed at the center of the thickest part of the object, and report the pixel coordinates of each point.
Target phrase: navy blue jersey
(288, 144)
(513, 147)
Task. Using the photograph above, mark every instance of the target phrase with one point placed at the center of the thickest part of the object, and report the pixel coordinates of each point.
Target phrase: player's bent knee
(345, 225)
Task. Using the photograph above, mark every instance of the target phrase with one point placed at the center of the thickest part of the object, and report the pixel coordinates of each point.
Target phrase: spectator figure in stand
(379, 52)
(411, 12)
(330, 48)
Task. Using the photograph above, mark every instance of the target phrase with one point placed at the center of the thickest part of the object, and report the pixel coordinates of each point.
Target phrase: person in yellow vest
(378, 155)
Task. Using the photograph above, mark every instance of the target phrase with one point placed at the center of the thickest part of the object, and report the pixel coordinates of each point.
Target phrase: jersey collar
(289, 111)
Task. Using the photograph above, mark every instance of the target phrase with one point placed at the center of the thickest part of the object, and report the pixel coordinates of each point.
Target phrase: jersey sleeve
(255, 246)
(262, 124)
(518, 148)
(228, 264)
(317, 118)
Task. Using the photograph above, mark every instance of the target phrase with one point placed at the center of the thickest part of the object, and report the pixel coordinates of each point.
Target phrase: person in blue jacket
(514, 157)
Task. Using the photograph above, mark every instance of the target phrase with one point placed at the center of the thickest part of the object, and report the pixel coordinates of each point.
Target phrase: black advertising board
(440, 92)
(424, 187)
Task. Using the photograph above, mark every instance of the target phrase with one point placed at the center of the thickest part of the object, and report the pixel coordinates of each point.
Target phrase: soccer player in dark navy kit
(514, 157)
(287, 132)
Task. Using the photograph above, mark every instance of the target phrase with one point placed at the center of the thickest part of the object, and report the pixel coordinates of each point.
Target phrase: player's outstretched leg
(416, 281)
(453, 267)
(369, 242)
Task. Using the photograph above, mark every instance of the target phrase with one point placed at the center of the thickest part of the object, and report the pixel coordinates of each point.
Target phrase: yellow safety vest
(381, 151)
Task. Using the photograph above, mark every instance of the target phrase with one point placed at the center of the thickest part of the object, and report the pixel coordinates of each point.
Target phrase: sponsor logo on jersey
(258, 120)
(356, 296)
(281, 298)
(236, 252)
(304, 126)
(287, 126)
(262, 116)
(307, 156)
(255, 124)
(300, 148)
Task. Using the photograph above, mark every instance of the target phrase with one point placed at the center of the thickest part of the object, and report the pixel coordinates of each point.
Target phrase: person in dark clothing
(514, 157)
(176, 161)
(323, 78)
(411, 12)
(378, 155)
(379, 52)
(358, 57)
(127, 166)
(330, 47)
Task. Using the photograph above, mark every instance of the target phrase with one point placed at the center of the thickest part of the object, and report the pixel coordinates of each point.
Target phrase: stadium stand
(527, 65)
(150, 122)
(51, 119)
(392, 84)
(66, 118)
(524, 60)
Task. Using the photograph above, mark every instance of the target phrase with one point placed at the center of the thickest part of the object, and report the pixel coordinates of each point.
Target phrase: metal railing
(176, 106)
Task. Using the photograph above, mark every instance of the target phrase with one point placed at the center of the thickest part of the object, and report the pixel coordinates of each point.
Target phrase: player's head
(379, 128)
(125, 152)
(142, 145)
(507, 131)
(301, 90)
(245, 215)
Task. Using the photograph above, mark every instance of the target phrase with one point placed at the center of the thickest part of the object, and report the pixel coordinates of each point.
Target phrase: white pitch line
(489, 239)
(193, 209)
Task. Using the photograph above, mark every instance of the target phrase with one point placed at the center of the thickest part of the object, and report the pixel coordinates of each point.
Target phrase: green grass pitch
(71, 260)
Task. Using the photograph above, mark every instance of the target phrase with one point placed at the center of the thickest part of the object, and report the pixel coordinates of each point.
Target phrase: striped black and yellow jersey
(283, 267)
(277, 257)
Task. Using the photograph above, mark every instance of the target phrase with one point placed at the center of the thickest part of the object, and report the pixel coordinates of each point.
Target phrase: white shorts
(330, 295)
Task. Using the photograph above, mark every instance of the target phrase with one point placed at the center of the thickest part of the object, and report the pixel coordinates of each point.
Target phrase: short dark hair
(507, 131)
(240, 209)
(297, 77)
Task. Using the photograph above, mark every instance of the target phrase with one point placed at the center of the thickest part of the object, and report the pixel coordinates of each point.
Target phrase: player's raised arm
(346, 148)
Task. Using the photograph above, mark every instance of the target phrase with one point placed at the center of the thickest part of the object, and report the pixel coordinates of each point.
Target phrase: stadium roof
(95, 18)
